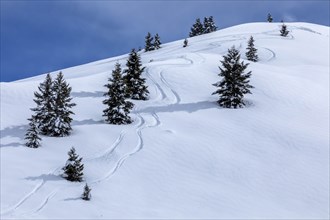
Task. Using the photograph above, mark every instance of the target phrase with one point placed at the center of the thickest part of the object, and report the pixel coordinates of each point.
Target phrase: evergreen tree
(73, 169)
(44, 99)
(149, 46)
(209, 25)
(269, 18)
(284, 31)
(135, 87)
(251, 53)
(87, 193)
(206, 26)
(61, 122)
(212, 25)
(117, 108)
(32, 136)
(157, 42)
(196, 29)
(235, 83)
(185, 42)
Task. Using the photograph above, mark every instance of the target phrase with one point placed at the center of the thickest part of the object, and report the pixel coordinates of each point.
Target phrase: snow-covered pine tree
(157, 42)
(235, 82)
(212, 25)
(206, 26)
(196, 29)
(61, 122)
(185, 42)
(73, 169)
(117, 107)
(209, 25)
(284, 31)
(32, 135)
(149, 45)
(87, 193)
(269, 18)
(44, 112)
(135, 87)
(251, 53)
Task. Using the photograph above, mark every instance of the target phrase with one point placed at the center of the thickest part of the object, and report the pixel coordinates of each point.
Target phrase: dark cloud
(42, 36)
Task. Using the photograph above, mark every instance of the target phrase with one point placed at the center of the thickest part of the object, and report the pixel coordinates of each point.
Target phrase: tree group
(152, 43)
(53, 112)
(207, 27)
(52, 115)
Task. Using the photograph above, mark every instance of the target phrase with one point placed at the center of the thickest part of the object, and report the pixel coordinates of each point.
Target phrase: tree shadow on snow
(45, 177)
(87, 122)
(15, 132)
(185, 107)
(72, 199)
(96, 94)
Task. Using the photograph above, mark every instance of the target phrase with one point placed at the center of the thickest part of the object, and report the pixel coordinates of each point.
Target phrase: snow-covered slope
(184, 157)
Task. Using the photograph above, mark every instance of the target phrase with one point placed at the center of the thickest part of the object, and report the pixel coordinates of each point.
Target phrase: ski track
(123, 158)
(45, 202)
(108, 152)
(22, 201)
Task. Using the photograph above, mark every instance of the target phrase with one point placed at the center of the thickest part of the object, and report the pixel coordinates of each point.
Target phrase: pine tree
(135, 87)
(87, 193)
(185, 42)
(196, 29)
(149, 46)
(61, 122)
(44, 99)
(32, 135)
(284, 31)
(157, 42)
(73, 169)
(251, 53)
(269, 18)
(235, 83)
(206, 26)
(117, 108)
(209, 25)
(212, 25)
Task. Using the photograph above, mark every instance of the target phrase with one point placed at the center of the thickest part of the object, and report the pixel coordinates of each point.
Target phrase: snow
(184, 156)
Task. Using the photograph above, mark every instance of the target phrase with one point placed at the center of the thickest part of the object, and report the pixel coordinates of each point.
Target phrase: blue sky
(42, 36)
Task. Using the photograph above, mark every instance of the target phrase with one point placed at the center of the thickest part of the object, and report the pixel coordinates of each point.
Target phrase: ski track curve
(108, 152)
(122, 159)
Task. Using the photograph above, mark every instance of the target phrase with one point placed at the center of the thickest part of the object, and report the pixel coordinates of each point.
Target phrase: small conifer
(284, 32)
(269, 18)
(251, 53)
(185, 43)
(157, 42)
(87, 193)
(148, 43)
(73, 169)
(32, 134)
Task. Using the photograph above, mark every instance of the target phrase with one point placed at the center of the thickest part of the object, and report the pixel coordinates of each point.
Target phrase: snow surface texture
(184, 156)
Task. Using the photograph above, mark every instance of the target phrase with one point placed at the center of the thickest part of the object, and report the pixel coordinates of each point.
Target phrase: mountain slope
(184, 157)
